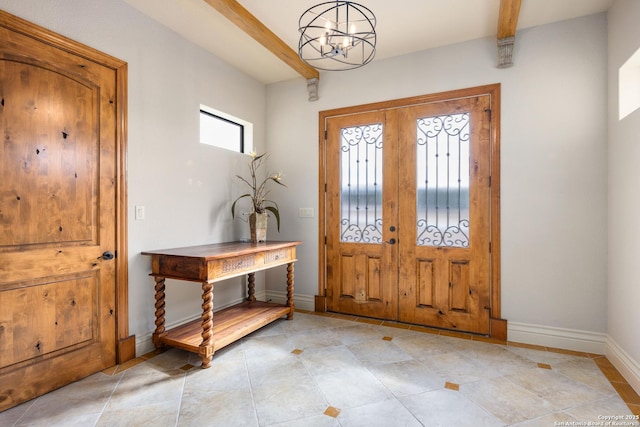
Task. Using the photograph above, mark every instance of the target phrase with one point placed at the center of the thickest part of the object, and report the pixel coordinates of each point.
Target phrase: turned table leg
(290, 290)
(206, 348)
(251, 296)
(160, 304)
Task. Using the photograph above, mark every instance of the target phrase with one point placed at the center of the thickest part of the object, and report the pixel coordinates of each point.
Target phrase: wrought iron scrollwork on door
(361, 183)
(442, 180)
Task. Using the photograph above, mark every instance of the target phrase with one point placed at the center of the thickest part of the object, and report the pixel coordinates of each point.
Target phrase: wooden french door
(444, 215)
(408, 214)
(361, 213)
(59, 211)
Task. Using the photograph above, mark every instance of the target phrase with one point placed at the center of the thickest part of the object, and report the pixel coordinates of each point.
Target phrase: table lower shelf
(229, 325)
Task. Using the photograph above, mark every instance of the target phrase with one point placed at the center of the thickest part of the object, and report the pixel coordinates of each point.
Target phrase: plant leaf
(233, 206)
(277, 181)
(274, 211)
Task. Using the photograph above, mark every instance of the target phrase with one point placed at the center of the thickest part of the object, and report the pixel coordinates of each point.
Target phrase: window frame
(245, 142)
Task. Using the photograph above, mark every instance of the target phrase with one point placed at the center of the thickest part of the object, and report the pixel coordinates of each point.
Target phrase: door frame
(498, 326)
(125, 343)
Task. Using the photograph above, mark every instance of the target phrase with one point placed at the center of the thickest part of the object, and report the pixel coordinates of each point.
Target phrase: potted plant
(260, 205)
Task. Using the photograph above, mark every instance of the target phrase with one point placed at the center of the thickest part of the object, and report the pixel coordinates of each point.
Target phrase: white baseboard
(547, 336)
(144, 344)
(303, 302)
(625, 364)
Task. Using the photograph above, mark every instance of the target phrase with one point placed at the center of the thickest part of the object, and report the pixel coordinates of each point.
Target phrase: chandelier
(337, 36)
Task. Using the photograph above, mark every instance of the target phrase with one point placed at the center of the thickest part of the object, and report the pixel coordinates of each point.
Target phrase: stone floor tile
(138, 390)
(407, 377)
(356, 333)
(270, 370)
(267, 346)
(314, 339)
(382, 414)
(448, 408)
(12, 415)
(367, 372)
(229, 408)
(222, 375)
(160, 414)
(349, 388)
(505, 400)
(316, 421)
(560, 390)
(555, 419)
(585, 371)
(539, 356)
(456, 368)
(287, 400)
(594, 412)
(330, 359)
(379, 351)
(422, 345)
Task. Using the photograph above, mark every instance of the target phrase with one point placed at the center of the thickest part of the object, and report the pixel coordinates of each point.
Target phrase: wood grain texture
(508, 18)
(62, 176)
(461, 277)
(229, 325)
(329, 266)
(209, 264)
(361, 277)
(220, 261)
(248, 23)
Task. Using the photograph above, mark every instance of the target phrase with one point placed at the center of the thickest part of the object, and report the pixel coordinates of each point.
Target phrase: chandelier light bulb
(331, 31)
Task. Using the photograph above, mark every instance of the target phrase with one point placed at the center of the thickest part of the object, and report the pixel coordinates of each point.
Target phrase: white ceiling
(403, 26)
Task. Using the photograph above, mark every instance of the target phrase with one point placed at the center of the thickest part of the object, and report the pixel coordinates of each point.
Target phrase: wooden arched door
(62, 225)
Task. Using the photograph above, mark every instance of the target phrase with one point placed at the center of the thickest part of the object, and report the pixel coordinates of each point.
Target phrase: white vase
(258, 227)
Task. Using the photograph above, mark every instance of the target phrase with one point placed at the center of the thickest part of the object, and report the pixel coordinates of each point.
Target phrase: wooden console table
(208, 264)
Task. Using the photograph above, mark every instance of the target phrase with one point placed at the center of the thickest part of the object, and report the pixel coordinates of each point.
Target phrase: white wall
(554, 171)
(185, 187)
(624, 178)
(554, 204)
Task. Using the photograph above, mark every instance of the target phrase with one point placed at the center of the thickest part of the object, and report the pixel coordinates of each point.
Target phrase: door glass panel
(442, 180)
(361, 184)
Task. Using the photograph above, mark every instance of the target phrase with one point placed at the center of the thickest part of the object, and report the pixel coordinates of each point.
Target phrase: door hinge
(325, 240)
(325, 187)
(325, 135)
(488, 110)
(489, 180)
(490, 247)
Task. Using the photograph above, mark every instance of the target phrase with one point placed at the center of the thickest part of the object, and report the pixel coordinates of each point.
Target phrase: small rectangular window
(225, 131)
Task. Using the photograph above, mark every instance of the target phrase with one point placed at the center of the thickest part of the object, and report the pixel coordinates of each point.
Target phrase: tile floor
(319, 370)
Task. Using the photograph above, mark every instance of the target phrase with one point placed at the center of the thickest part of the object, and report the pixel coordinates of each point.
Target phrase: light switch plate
(139, 213)
(306, 213)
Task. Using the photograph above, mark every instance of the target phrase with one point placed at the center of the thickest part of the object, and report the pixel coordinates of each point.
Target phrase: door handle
(106, 256)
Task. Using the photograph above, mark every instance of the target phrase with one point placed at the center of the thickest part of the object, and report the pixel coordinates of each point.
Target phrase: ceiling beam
(508, 18)
(507, 23)
(248, 23)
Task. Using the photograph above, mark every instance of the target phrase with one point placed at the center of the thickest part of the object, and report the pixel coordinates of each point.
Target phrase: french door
(408, 213)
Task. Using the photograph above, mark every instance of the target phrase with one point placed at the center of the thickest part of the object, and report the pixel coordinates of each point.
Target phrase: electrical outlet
(306, 213)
